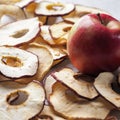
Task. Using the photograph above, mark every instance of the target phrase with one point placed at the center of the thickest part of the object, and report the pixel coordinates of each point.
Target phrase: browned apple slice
(79, 86)
(76, 107)
(11, 10)
(103, 85)
(16, 63)
(53, 8)
(49, 114)
(59, 29)
(19, 32)
(20, 101)
(79, 11)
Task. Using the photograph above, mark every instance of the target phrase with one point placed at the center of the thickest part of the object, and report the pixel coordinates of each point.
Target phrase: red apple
(94, 43)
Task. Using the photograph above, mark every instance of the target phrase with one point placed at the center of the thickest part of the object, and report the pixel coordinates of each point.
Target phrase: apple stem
(100, 18)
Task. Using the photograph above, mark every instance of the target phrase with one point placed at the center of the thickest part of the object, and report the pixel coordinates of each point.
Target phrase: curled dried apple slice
(79, 11)
(103, 84)
(11, 10)
(79, 86)
(53, 8)
(20, 101)
(19, 32)
(59, 29)
(16, 63)
(76, 107)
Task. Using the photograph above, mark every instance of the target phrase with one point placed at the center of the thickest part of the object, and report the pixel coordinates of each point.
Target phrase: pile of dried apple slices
(33, 38)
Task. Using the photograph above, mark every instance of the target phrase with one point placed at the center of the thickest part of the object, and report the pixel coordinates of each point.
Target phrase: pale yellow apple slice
(20, 101)
(16, 63)
(80, 11)
(53, 8)
(103, 84)
(76, 107)
(12, 10)
(59, 29)
(79, 86)
(19, 32)
(49, 114)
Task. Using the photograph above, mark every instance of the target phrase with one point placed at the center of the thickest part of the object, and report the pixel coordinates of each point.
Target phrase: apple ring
(20, 101)
(12, 10)
(53, 8)
(19, 32)
(16, 63)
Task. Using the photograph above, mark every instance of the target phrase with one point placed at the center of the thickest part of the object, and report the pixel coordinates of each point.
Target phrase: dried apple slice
(45, 34)
(62, 40)
(103, 85)
(6, 19)
(19, 32)
(79, 11)
(45, 59)
(58, 51)
(11, 10)
(20, 101)
(48, 83)
(23, 3)
(48, 8)
(79, 86)
(16, 63)
(49, 113)
(77, 108)
(59, 29)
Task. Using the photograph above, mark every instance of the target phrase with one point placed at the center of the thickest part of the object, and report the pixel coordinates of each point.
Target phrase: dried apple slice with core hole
(45, 63)
(77, 108)
(19, 32)
(103, 84)
(79, 86)
(31, 100)
(13, 11)
(49, 113)
(80, 11)
(16, 63)
(59, 29)
(53, 8)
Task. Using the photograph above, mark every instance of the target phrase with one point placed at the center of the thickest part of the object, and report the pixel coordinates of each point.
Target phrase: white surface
(112, 6)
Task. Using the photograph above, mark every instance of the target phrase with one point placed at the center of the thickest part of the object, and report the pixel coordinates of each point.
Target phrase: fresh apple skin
(94, 44)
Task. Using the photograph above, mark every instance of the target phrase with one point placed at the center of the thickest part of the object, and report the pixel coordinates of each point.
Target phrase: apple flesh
(94, 43)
